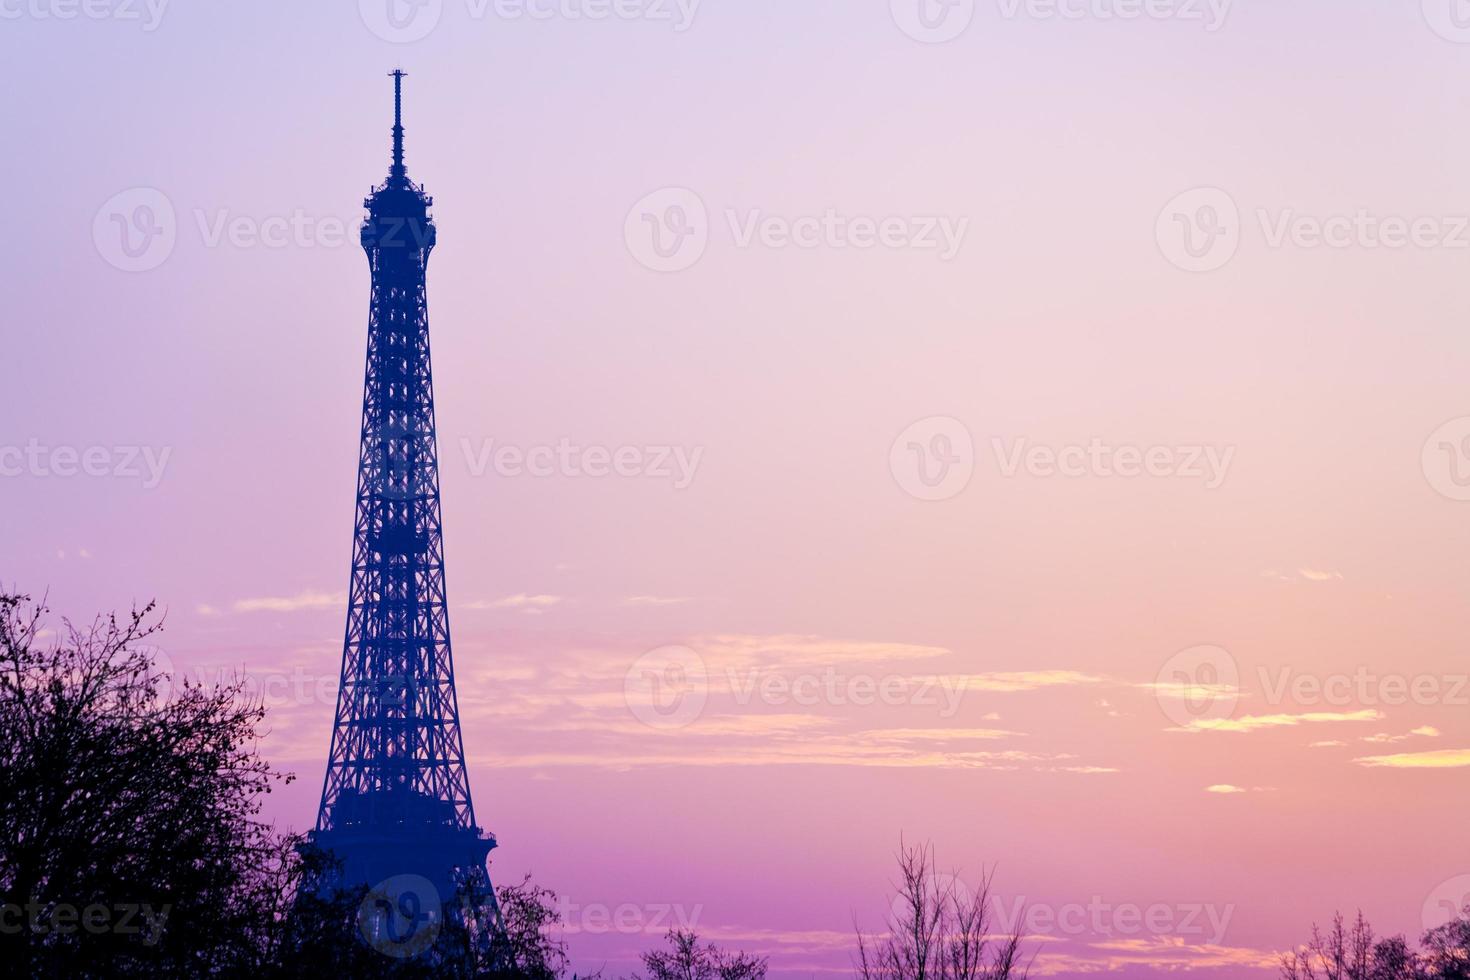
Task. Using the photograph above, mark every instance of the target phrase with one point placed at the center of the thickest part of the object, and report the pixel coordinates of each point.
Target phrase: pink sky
(995, 671)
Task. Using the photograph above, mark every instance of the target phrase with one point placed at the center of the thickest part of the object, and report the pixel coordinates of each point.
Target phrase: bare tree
(688, 959)
(1351, 953)
(938, 930)
(1342, 953)
(1446, 950)
(526, 949)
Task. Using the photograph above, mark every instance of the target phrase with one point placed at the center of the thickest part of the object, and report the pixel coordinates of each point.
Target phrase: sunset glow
(1028, 440)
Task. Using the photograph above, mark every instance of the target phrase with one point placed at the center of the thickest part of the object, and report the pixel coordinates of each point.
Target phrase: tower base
(418, 873)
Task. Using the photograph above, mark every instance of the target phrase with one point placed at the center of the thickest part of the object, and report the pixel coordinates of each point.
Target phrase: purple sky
(1052, 442)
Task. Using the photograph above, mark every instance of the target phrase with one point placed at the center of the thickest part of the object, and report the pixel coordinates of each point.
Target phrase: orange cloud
(1251, 723)
(1437, 759)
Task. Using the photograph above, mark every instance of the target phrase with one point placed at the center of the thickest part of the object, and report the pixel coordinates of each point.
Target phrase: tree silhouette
(687, 959)
(129, 830)
(131, 843)
(938, 930)
(1351, 953)
(1445, 952)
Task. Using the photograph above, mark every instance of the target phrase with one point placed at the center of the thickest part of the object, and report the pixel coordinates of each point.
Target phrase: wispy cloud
(1252, 723)
(1425, 731)
(823, 712)
(937, 734)
(1228, 789)
(1029, 680)
(532, 604)
(800, 650)
(1193, 691)
(1086, 770)
(1303, 575)
(656, 600)
(303, 601)
(828, 751)
(1163, 953)
(1437, 759)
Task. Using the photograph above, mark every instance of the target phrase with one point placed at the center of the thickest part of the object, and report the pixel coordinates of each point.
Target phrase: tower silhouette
(396, 797)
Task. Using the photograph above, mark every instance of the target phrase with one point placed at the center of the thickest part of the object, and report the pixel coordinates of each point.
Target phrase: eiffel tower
(396, 808)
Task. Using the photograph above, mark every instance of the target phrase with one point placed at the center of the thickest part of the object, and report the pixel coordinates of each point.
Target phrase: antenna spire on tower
(398, 169)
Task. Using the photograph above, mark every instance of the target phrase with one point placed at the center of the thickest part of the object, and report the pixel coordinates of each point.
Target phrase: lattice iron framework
(396, 796)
